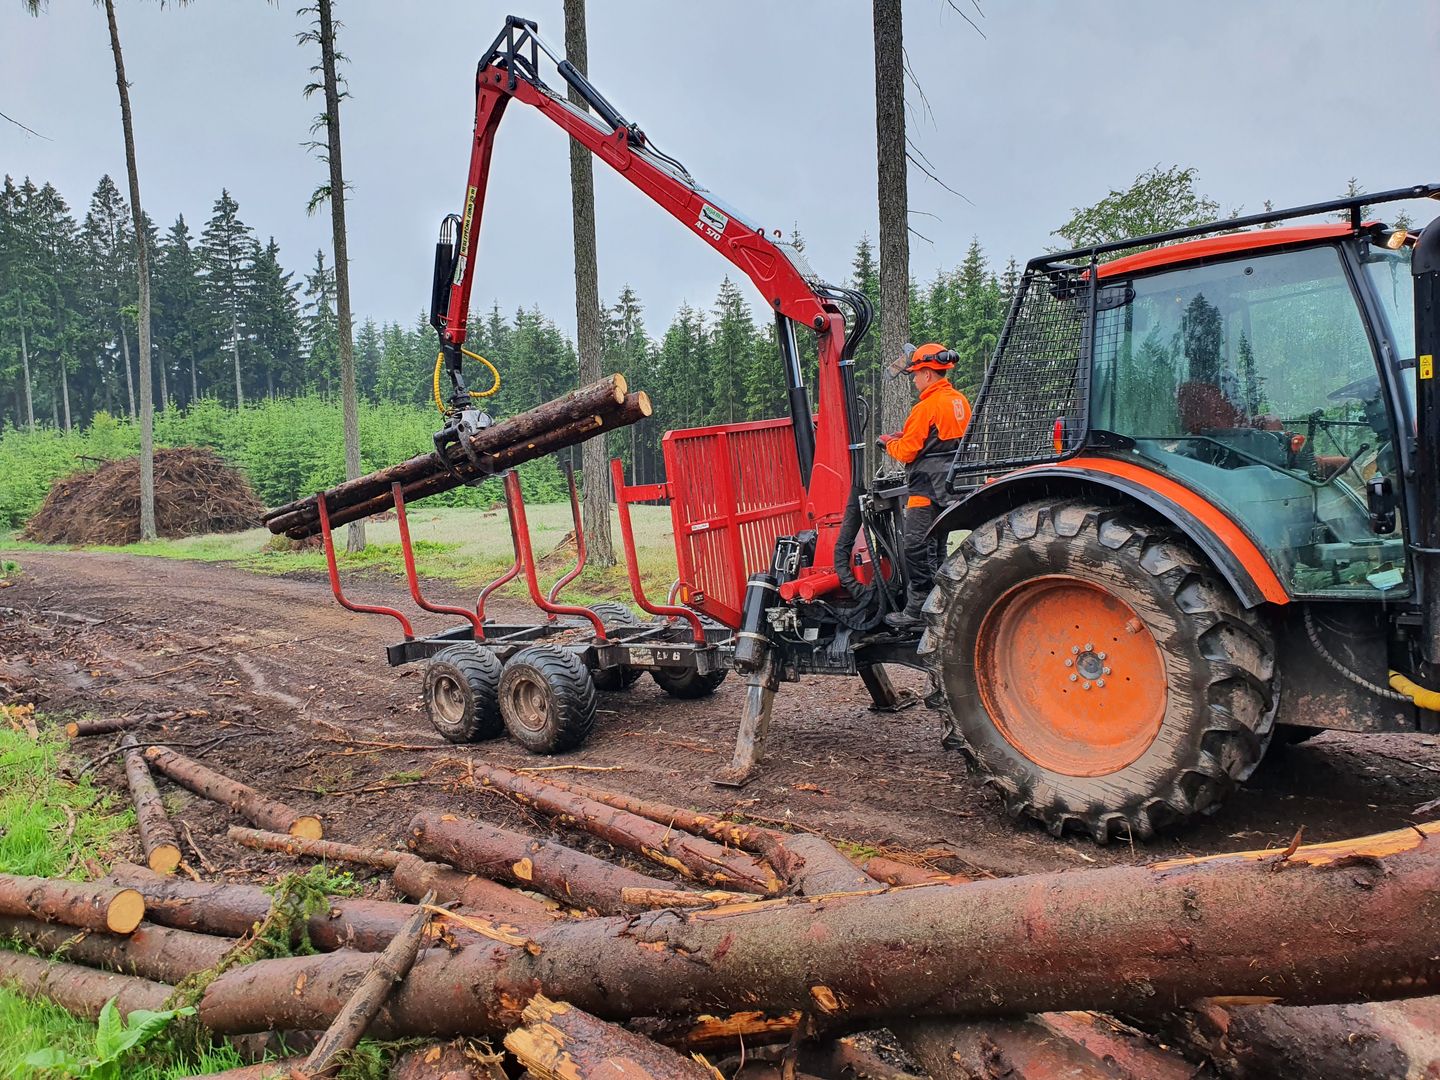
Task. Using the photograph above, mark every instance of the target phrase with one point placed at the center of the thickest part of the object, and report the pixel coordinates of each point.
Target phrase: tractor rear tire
(461, 684)
(547, 698)
(688, 683)
(613, 613)
(1096, 671)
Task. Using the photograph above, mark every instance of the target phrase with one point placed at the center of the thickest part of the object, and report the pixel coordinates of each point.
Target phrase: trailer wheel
(547, 698)
(623, 677)
(688, 683)
(461, 683)
(1096, 671)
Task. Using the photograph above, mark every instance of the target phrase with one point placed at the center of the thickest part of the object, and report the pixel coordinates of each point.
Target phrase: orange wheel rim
(1071, 676)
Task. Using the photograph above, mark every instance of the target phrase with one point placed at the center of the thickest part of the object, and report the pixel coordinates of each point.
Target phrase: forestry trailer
(1197, 504)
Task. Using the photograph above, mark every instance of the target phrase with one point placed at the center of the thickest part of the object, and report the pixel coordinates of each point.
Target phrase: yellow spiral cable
(439, 362)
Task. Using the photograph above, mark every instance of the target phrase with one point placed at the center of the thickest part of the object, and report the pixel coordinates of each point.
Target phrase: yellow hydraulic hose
(440, 360)
(1426, 699)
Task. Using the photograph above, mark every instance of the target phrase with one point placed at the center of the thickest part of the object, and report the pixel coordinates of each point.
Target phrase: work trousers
(922, 555)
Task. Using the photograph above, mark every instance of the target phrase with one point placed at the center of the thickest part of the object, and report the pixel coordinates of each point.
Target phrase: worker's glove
(884, 441)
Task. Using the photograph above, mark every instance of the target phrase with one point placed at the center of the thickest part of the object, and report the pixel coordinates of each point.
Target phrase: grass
(465, 547)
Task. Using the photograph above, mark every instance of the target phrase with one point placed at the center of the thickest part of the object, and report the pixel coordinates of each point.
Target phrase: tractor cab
(1269, 380)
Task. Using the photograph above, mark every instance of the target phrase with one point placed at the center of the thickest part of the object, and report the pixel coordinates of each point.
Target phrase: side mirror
(1380, 501)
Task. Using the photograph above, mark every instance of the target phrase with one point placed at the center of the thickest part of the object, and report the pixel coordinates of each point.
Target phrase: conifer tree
(227, 255)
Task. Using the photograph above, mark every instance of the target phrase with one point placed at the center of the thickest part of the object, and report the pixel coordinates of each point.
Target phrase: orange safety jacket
(929, 439)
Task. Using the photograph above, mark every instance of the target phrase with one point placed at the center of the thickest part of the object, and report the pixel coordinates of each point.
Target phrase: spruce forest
(236, 323)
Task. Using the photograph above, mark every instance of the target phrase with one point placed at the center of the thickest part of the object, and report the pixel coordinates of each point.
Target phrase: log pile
(1228, 966)
(566, 421)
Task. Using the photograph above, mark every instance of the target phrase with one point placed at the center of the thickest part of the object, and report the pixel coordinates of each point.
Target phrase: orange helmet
(934, 356)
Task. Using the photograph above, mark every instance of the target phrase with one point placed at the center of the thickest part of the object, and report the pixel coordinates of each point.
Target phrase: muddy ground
(292, 682)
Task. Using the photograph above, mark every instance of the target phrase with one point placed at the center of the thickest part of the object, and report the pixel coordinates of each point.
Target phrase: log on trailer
(241, 798)
(1125, 937)
(497, 447)
(157, 836)
(635, 408)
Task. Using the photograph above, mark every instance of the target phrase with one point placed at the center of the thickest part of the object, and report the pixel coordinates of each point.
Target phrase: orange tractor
(1198, 501)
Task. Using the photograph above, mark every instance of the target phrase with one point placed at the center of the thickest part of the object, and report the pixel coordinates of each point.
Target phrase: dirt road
(289, 676)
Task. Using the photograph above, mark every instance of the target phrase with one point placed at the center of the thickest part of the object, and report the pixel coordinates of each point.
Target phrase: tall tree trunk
(596, 476)
(355, 539)
(894, 205)
(25, 369)
(164, 387)
(125, 359)
(65, 393)
(142, 263)
(235, 355)
(194, 382)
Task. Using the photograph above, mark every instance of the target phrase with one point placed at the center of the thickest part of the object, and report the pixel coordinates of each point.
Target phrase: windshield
(1389, 275)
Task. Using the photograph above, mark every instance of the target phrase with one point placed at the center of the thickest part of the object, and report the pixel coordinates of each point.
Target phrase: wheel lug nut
(1069, 663)
(1105, 671)
(1099, 682)
(1074, 677)
(1089, 645)
(1075, 649)
(1101, 655)
(1086, 686)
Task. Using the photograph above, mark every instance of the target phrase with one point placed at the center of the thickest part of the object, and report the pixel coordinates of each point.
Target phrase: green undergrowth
(52, 825)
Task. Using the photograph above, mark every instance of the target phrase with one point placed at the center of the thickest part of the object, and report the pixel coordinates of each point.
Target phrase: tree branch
(22, 127)
(956, 8)
(911, 158)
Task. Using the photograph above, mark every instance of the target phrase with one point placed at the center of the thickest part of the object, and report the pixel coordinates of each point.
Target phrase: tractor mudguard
(1232, 552)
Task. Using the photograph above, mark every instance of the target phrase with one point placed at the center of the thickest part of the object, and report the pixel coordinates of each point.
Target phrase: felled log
(706, 1034)
(389, 968)
(151, 952)
(821, 869)
(688, 855)
(277, 1069)
(569, 876)
(846, 1057)
(71, 903)
(232, 910)
(1118, 938)
(412, 875)
(1022, 1049)
(241, 798)
(448, 1061)
(663, 898)
(752, 838)
(603, 397)
(635, 408)
(107, 725)
(81, 990)
(1364, 1041)
(560, 1042)
(892, 872)
(157, 836)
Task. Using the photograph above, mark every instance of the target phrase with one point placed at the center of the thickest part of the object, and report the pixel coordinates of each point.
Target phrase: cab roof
(1210, 247)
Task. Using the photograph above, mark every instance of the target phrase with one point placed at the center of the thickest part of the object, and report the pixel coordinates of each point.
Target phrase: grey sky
(770, 105)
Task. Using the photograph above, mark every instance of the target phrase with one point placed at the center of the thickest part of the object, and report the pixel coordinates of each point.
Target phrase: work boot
(911, 618)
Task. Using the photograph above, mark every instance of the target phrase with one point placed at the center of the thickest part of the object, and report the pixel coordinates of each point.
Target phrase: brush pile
(747, 952)
(196, 492)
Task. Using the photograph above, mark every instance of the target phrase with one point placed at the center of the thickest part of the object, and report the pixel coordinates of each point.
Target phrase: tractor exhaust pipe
(1425, 266)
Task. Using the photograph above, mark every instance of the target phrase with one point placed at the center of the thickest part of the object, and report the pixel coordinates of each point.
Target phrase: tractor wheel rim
(449, 699)
(1071, 676)
(531, 706)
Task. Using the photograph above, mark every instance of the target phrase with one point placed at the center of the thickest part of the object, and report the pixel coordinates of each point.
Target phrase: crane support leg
(883, 695)
(754, 725)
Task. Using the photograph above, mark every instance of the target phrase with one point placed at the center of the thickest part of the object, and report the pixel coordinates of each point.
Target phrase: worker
(925, 447)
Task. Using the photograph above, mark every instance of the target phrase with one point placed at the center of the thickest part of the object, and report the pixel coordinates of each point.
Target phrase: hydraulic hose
(1421, 696)
(435, 387)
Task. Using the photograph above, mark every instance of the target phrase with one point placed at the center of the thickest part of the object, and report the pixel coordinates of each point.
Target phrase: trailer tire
(1036, 608)
(547, 698)
(460, 694)
(613, 613)
(688, 683)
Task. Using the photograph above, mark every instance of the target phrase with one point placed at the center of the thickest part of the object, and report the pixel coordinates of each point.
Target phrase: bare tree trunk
(355, 540)
(235, 354)
(142, 263)
(194, 383)
(25, 365)
(65, 392)
(894, 206)
(125, 360)
(595, 514)
(164, 387)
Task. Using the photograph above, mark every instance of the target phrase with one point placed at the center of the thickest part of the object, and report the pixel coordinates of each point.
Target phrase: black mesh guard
(1039, 375)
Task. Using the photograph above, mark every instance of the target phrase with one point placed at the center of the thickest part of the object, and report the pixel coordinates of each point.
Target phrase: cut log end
(642, 399)
(125, 911)
(621, 388)
(307, 828)
(164, 858)
(72, 729)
